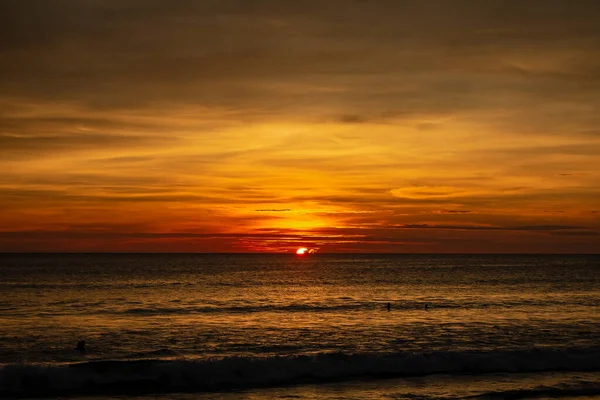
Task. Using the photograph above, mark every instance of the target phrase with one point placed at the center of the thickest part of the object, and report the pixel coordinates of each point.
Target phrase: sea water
(193, 326)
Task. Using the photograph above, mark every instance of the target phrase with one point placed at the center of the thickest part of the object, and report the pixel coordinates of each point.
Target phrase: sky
(424, 126)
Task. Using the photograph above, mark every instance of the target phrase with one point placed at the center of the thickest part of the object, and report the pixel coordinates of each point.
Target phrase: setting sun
(285, 199)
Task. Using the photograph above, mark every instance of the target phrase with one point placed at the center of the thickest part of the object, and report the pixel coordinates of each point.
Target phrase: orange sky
(347, 126)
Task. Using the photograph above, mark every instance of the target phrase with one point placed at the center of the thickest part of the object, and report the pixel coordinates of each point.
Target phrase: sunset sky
(344, 126)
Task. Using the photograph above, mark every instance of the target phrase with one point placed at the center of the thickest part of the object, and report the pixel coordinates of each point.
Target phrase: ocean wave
(92, 285)
(66, 308)
(161, 376)
(162, 353)
(242, 309)
(561, 390)
(334, 306)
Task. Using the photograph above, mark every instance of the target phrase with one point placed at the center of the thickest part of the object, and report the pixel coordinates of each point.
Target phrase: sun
(301, 251)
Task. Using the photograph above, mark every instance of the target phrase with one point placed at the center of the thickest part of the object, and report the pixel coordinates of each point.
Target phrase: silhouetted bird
(389, 306)
(80, 346)
(426, 306)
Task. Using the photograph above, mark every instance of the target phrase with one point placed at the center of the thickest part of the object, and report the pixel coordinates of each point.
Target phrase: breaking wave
(162, 376)
(562, 390)
(321, 307)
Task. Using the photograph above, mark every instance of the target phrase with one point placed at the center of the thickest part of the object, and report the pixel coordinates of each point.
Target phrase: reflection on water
(206, 305)
(195, 307)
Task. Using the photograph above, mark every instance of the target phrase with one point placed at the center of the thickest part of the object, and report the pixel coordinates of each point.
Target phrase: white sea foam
(148, 376)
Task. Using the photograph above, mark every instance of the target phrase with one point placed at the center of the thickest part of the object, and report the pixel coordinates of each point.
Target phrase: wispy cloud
(402, 126)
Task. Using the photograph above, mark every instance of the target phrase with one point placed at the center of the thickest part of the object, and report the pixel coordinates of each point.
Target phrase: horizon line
(282, 253)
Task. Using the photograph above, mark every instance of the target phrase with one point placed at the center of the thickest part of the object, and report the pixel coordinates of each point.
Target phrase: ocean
(263, 326)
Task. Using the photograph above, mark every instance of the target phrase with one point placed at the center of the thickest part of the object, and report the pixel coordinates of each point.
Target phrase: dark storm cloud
(117, 194)
(55, 124)
(492, 228)
(129, 53)
(587, 149)
(576, 233)
(353, 119)
(43, 143)
(105, 233)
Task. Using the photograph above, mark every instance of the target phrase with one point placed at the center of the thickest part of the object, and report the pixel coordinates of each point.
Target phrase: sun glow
(304, 251)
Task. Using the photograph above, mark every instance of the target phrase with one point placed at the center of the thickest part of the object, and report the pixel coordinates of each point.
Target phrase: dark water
(308, 327)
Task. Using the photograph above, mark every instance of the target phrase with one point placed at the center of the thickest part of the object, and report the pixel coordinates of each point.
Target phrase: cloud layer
(397, 126)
